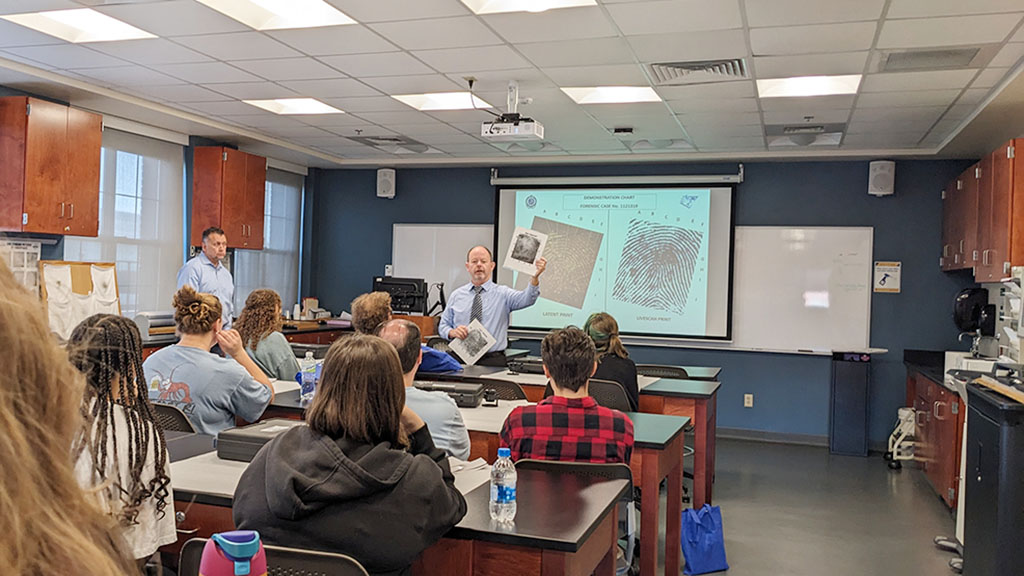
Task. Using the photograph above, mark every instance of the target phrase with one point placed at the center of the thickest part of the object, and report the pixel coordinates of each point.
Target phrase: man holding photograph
(487, 302)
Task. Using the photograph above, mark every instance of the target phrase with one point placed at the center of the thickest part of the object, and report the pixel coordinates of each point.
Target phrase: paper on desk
(469, 475)
(524, 250)
(474, 345)
(281, 386)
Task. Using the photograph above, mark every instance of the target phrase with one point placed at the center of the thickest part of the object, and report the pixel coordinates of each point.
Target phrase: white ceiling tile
(839, 116)
(1009, 55)
(12, 34)
(408, 116)
(203, 72)
(289, 69)
(458, 32)
(926, 8)
(834, 102)
(942, 129)
(350, 39)
(727, 143)
(656, 110)
(591, 144)
(734, 89)
(150, 51)
(175, 18)
(367, 104)
(616, 75)
(482, 58)
(810, 64)
(675, 16)
(359, 130)
(494, 83)
(902, 81)
(586, 52)
(331, 121)
(128, 76)
(372, 65)
(417, 84)
(890, 140)
(299, 132)
(67, 56)
(21, 6)
(718, 118)
(959, 111)
(694, 105)
(456, 137)
(390, 10)
(1018, 36)
(419, 131)
(973, 96)
(470, 150)
(564, 24)
(847, 37)
(183, 93)
(693, 46)
(919, 125)
(989, 77)
(454, 117)
(228, 108)
(923, 114)
(642, 128)
(913, 98)
(29, 61)
(959, 30)
(725, 131)
(265, 120)
(239, 46)
(333, 88)
(253, 90)
(762, 13)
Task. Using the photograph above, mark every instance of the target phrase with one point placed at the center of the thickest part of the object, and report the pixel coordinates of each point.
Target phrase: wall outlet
(748, 400)
(389, 270)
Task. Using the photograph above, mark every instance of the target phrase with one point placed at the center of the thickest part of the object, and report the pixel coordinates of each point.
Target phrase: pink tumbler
(237, 553)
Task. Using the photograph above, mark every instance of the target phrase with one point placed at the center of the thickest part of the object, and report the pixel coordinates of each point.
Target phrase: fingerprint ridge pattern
(657, 266)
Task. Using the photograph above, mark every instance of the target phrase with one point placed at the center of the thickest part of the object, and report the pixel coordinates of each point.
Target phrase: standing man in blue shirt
(207, 274)
(488, 302)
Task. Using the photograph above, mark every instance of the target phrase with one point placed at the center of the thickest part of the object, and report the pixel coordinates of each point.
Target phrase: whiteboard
(437, 252)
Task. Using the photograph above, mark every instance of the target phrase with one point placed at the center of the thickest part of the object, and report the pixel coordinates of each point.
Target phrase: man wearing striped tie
(487, 302)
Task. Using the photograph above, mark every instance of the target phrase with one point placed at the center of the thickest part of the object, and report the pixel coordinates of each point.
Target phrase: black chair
(280, 561)
(662, 371)
(609, 394)
(438, 343)
(506, 390)
(171, 418)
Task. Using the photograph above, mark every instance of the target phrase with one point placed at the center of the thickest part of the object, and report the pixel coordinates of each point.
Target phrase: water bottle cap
(504, 453)
(309, 355)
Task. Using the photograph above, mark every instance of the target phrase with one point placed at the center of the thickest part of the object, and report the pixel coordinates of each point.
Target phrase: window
(277, 265)
(140, 220)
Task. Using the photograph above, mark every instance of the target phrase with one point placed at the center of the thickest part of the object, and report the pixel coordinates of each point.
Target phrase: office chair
(627, 512)
(662, 371)
(438, 343)
(609, 394)
(171, 418)
(506, 390)
(281, 561)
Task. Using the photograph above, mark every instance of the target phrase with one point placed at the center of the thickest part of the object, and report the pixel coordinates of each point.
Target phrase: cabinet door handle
(919, 415)
(72, 205)
(961, 245)
(61, 209)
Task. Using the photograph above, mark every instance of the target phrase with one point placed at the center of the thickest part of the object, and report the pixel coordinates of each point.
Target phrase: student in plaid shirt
(569, 425)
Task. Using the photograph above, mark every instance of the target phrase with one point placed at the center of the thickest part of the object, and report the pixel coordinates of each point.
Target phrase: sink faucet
(975, 342)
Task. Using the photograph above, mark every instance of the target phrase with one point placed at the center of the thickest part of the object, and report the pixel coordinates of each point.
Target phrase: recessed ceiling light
(280, 14)
(612, 94)
(808, 86)
(295, 106)
(442, 101)
(498, 6)
(79, 25)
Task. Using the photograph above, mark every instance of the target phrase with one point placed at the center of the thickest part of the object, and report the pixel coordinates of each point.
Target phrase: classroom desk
(547, 537)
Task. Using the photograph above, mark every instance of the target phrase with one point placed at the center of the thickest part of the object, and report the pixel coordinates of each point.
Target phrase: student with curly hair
(120, 453)
(50, 525)
(370, 310)
(210, 390)
(260, 329)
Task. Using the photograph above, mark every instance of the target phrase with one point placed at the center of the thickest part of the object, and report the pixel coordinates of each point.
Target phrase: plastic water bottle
(308, 370)
(503, 487)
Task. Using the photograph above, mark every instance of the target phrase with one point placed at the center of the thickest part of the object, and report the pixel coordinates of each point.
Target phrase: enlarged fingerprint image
(571, 252)
(525, 249)
(657, 266)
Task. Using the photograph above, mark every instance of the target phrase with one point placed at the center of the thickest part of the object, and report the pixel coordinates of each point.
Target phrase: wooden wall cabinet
(50, 182)
(940, 420)
(228, 191)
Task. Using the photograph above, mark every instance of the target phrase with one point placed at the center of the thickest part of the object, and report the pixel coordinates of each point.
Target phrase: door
(45, 172)
(85, 141)
(997, 249)
(1015, 235)
(255, 199)
(968, 240)
(13, 128)
(947, 226)
(207, 191)
(234, 211)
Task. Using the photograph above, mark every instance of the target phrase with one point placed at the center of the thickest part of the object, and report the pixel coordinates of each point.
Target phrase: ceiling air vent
(697, 71)
(392, 144)
(935, 58)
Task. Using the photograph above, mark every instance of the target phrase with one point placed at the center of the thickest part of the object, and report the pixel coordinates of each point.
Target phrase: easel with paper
(73, 291)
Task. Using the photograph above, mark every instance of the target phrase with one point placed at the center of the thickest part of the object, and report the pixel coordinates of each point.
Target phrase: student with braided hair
(260, 329)
(120, 454)
(210, 390)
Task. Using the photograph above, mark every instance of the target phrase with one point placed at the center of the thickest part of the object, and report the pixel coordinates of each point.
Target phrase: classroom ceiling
(930, 68)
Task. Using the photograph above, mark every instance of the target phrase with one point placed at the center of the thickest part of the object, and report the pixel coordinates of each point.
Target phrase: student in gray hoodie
(363, 478)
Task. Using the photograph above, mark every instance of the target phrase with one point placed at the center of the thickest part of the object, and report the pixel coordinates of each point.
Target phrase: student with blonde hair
(210, 390)
(370, 310)
(260, 328)
(50, 525)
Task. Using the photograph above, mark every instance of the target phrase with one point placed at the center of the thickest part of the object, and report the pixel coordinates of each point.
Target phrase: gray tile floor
(798, 511)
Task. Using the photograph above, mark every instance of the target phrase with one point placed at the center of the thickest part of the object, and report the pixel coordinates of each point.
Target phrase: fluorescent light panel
(499, 6)
(442, 101)
(802, 86)
(280, 14)
(79, 25)
(288, 106)
(612, 94)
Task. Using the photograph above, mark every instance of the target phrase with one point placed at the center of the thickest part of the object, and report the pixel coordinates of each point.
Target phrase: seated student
(363, 478)
(370, 310)
(613, 361)
(569, 425)
(50, 525)
(437, 409)
(121, 455)
(209, 389)
(260, 329)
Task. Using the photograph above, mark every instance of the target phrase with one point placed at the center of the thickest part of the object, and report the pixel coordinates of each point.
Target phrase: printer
(526, 365)
(244, 442)
(156, 327)
(466, 395)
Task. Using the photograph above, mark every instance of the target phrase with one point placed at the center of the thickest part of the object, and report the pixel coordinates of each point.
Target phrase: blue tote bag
(703, 540)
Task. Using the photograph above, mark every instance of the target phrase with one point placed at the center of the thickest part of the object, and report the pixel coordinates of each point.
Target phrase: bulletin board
(73, 291)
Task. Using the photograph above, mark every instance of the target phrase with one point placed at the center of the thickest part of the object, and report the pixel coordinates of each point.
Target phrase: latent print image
(526, 248)
(475, 342)
(657, 266)
(571, 253)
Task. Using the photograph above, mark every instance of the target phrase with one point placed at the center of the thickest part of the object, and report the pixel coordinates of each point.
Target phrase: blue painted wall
(349, 241)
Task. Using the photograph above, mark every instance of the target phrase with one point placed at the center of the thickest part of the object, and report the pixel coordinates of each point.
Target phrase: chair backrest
(438, 343)
(172, 418)
(662, 371)
(609, 394)
(281, 561)
(506, 390)
(612, 471)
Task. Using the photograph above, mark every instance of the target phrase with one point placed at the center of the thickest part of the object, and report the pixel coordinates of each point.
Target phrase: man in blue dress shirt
(488, 302)
(206, 273)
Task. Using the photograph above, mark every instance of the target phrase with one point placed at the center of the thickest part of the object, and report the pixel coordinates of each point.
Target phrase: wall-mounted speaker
(386, 183)
(882, 178)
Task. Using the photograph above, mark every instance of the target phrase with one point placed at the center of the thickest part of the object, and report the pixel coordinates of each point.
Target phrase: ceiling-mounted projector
(512, 128)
